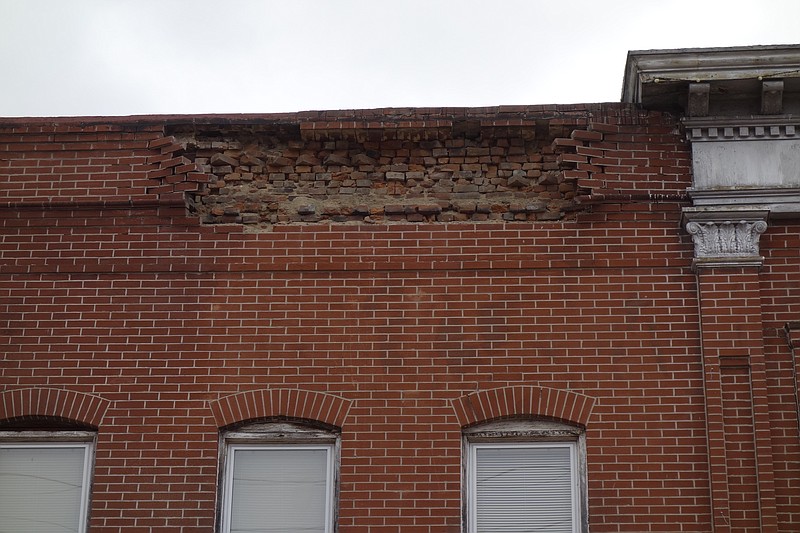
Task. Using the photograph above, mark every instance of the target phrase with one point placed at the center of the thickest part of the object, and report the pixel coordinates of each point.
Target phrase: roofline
(388, 114)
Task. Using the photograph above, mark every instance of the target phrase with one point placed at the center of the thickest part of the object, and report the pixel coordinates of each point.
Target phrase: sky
(134, 57)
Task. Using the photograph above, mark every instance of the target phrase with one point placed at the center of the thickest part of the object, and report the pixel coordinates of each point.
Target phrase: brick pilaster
(739, 446)
(792, 330)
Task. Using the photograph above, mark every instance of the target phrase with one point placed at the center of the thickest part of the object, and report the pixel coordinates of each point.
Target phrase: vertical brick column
(792, 330)
(737, 411)
(740, 454)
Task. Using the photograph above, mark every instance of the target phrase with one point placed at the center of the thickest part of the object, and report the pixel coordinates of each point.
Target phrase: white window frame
(60, 439)
(529, 434)
(279, 436)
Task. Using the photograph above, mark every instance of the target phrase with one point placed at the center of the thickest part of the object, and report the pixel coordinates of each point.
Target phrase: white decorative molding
(781, 202)
(650, 75)
(752, 161)
(726, 237)
(741, 130)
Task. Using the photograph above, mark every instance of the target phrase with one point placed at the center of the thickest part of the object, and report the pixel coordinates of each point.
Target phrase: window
(524, 476)
(44, 481)
(279, 477)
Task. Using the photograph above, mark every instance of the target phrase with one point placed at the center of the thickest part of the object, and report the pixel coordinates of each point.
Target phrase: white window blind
(281, 489)
(530, 487)
(44, 487)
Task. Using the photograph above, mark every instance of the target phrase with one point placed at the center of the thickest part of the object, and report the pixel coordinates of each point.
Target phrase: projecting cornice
(702, 64)
(741, 81)
(740, 109)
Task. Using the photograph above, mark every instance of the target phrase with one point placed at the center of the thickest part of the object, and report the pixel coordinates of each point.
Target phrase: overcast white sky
(127, 57)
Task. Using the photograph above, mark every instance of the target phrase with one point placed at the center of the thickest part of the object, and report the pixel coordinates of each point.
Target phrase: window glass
(279, 478)
(523, 476)
(524, 487)
(44, 486)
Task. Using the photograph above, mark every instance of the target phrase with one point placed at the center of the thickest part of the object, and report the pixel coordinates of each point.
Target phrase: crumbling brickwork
(379, 175)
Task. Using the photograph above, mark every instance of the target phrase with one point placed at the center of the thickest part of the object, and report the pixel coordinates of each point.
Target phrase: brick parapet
(610, 114)
(490, 163)
(75, 163)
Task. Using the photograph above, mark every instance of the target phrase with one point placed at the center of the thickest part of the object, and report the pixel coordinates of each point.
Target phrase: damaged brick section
(442, 169)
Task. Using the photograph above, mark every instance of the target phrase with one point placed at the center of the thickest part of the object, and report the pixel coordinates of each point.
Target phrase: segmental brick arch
(49, 403)
(522, 400)
(292, 403)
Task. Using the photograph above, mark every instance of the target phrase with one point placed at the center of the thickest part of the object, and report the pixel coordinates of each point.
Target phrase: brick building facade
(399, 291)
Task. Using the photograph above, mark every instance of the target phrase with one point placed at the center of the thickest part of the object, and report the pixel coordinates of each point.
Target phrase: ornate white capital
(726, 238)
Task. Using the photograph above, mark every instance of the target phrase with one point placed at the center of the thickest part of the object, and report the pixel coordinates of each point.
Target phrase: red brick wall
(159, 331)
(70, 162)
(741, 463)
(780, 304)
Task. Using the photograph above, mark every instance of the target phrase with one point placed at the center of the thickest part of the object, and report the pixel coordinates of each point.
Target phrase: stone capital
(725, 237)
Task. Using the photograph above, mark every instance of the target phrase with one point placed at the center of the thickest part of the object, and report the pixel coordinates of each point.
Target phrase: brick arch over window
(293, 403)
(47, 403)
(523, 400)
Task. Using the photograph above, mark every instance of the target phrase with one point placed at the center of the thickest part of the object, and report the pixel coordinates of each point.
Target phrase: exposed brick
(161, 316)
(586, 135)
